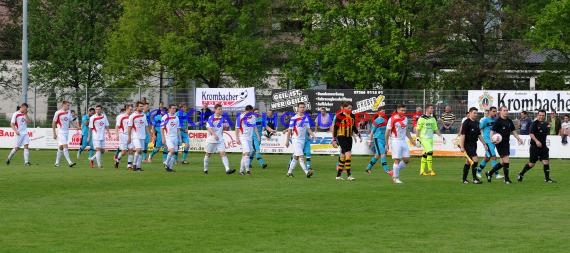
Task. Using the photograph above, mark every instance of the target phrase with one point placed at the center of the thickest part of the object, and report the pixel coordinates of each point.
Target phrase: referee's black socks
(506, 171)
(474, 170)
(547, 171)
(465, 171)
(496, 168)
(525, 169)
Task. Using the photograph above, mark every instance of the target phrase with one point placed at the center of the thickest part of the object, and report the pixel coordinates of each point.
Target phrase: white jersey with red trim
(246, 126)
(123, 123)
(62, 120)
(215, 123)
(138, 123)
(299, 127)
(19, 119)
(170, 124)
(97, 124)
(397, 125)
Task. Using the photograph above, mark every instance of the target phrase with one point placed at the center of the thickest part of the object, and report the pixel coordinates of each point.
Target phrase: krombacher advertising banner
(521, 100)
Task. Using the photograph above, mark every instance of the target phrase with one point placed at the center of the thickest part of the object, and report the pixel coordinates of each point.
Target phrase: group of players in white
(388, 133)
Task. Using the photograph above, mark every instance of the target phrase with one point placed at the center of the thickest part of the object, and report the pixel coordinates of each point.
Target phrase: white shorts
(138, 143)
(98, 144)
(298, 147)
(172, 143)
(215, 147)
(399, 149)
(246, 145)
(62, 139)
(123, 145)
(22, 139)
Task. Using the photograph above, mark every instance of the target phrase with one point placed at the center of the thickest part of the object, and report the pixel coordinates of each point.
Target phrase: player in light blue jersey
(183, 116)
(486, 124)
(157, 125)
(85, 133)
(379, 141)
(257, 142)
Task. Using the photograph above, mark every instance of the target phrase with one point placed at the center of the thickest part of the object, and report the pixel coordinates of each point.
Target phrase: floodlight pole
(25, 51)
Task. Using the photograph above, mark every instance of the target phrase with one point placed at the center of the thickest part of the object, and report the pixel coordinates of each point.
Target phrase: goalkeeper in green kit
(425, 128)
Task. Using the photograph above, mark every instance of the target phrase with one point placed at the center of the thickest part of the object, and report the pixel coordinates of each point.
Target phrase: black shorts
(470, 149)
(345, 144)
(538, 154)
(503, 149)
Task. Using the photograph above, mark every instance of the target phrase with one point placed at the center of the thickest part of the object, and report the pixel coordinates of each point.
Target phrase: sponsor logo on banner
(485, 101)
(330, 100)
(230, 98)
(518, 101)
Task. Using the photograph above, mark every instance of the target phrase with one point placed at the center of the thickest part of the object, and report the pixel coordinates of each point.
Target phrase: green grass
(47, 209)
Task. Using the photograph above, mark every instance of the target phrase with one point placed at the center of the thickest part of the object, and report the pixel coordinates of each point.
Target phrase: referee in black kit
(503, 126)
(539, 129)
(470, 133)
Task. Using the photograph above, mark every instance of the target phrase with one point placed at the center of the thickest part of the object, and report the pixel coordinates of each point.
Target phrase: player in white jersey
(138, 130)
(19, 124)
(122, 131)
(62, 121)
(170, 131)
(245, 129)
(98, 124)
(299, 126)
(215, 140)
(396, 133)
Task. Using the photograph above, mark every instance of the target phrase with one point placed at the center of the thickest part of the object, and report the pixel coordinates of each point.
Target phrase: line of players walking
(135, 130)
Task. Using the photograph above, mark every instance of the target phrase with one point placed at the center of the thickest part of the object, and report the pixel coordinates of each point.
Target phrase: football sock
(465, 171)
(474, 170)
(247, 163)
(547, 172)
(371, 163)
(226, 163)
(496, 168)
(292, 165)
(430, 163)
(26, 155)
(308, 161)
(506, 170)
(384, 163)
(12, 153)
(303, 165)
(58, 156)
(206, 161)
(525, 169)
(396, 170)
(164, 155)
(98, 158)
(66, 155)
(136, 160)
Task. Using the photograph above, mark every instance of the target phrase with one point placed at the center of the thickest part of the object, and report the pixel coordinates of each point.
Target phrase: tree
(212, 42)
(551, 34)
(66, 48)
(10, 43)
(484, 38)
(360, 44)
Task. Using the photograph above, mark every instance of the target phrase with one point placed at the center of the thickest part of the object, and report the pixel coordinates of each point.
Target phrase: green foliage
(213, 42)
(66, 46)
(362, 43)
(552, 30)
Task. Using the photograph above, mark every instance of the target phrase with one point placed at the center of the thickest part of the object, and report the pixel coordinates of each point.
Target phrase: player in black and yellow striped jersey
(343, 130)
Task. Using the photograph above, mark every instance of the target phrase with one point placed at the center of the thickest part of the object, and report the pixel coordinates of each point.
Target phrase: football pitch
(47, 209)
